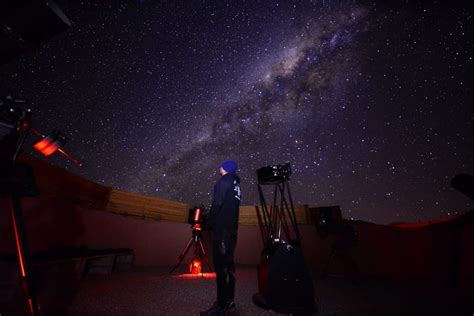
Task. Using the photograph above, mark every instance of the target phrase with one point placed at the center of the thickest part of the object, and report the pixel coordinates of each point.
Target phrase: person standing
(223, 221)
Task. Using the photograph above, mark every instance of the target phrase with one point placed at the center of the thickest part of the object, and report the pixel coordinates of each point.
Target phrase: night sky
(372, 105)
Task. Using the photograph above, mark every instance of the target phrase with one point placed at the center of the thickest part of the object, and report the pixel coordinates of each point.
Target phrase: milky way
(370, 104)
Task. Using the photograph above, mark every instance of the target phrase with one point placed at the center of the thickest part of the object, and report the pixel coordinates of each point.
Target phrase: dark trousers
(223, 258)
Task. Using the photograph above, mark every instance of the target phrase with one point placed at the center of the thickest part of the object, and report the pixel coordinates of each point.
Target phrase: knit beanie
(229, 166)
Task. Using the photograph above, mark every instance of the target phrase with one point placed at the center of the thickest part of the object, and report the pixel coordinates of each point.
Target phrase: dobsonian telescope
(284, 283)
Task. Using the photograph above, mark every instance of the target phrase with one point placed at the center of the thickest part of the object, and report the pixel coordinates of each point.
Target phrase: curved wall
(72, 212)
(52, 223)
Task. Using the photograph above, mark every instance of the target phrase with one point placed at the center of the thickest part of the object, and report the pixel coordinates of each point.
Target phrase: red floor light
(195, 266)
(203, 275)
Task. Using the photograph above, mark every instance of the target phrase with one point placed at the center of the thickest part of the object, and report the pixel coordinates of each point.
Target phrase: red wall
(51, 223)
(466, 276)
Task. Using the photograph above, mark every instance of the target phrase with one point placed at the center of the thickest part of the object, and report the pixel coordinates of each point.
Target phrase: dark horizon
(371, 104)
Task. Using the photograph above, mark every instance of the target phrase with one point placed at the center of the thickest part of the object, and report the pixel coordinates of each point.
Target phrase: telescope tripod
(273, 218)
(22, 184)
(17, 181)
(199, 251)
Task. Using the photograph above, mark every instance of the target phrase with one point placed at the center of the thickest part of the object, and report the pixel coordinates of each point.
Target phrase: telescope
(274, 174)
(17, 180)
(197, 219)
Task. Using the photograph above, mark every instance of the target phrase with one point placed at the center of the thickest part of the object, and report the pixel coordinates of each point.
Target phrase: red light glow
(427, 223)
(209, 275)
(195, 266)
(197, 215)
(41, 144)
(46, 146)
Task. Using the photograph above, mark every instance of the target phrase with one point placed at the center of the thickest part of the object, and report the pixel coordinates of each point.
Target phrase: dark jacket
(224, 212)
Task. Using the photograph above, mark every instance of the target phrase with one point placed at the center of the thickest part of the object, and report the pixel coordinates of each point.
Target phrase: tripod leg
(203, 254)
(183, 254)
(22, 251)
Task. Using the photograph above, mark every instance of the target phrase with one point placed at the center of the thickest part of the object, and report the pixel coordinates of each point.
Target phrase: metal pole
(293, 214)
(23, 257)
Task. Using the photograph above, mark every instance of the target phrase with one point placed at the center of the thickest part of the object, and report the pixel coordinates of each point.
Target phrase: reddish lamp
(50, 144)
(195, 266)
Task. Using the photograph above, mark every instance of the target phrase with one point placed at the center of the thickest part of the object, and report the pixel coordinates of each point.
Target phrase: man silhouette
(223, 221)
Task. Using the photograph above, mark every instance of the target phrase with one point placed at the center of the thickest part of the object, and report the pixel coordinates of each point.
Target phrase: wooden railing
(248, 214)
(58, 183)
(146, 207)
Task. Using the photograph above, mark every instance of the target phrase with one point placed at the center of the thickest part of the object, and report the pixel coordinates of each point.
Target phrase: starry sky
(371, 104)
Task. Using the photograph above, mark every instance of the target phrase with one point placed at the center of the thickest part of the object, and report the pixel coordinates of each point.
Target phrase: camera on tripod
(197, 217)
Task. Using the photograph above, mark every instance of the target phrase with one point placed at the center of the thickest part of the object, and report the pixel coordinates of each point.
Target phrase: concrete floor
(152, 291)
